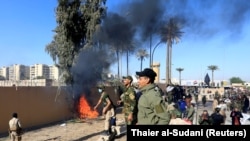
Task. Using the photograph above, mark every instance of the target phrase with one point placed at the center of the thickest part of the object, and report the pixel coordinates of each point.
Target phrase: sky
(215, 33)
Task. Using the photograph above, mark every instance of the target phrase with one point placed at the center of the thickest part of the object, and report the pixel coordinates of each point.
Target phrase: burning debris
(85, 111)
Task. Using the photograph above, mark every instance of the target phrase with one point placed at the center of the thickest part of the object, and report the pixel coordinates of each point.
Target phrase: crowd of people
(148, 104)
(236, 105)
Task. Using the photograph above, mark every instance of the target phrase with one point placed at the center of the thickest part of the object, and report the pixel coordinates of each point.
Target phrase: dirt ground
(72, 130)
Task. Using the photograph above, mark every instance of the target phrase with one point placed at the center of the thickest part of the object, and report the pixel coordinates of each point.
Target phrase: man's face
(236, 109)
(126, 81)
(143, 81)
(188, 100)
(205, 112)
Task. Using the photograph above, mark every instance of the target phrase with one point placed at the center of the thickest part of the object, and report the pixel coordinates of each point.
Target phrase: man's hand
(130, 117)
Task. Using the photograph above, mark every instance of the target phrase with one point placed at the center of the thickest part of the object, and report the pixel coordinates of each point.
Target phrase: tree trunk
(127, 62)
(141, 63)
(168, 64)
(213, 78)
(150, 51)
(180, 77)
(118, 64)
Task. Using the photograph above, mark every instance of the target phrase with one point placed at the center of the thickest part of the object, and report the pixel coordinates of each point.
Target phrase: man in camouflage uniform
(129, 101)
(151, 107)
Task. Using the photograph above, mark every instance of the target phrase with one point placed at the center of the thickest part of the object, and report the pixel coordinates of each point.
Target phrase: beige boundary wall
(36, 106)
(39, 106)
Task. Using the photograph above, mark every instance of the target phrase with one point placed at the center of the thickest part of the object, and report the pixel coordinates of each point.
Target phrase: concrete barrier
(35, 106)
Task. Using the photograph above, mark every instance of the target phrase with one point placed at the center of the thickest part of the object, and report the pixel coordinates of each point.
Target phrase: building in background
(54, 72)
(34, 75)
(18, 72)
(156, 68)
(4, 72)
(39, 71)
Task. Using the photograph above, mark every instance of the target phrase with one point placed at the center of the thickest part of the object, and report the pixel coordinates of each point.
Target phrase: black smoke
(88, 69)
(116, 31)
(199, 18)
(146, 16)
(206, 18)
(142, 18)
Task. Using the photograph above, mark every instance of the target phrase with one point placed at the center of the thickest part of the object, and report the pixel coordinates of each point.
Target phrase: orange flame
(85, 110)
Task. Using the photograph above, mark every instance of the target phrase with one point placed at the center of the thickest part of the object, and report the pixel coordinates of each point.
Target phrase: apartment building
(54, 72)
(22, 72)
(39, 71)
(34, 75)
(4, 72)
(18, 72)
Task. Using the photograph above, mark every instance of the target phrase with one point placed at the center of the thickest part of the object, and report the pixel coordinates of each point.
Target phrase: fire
(85, 110)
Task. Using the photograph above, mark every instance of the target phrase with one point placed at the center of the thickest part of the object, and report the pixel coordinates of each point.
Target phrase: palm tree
(170, 32)
(213, 68)
(141, 55)
(130, 49)
(179, 70)
(119, 43)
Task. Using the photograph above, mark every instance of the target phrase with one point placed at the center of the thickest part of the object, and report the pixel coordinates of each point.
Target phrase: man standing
(151, 107)
(129, 101)
(15, 128)
(217, 118)
(245, 104)
(108, 110)
(189, 111)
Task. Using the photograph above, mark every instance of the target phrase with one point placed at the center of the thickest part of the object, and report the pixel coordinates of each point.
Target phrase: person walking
(245, 104)
(108, 110)
(151, 106)
(15, 128)
(215, 103)
(129, 101)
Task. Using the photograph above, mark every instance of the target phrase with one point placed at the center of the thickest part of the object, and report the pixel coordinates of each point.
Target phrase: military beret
(128, 77)
(147, 72)
(101, 87)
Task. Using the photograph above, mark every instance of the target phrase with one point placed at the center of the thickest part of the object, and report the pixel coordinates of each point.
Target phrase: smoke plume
(88, 70)
(201, 18)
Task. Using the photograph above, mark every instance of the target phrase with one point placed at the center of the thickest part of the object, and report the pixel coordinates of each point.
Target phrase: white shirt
(13, 123)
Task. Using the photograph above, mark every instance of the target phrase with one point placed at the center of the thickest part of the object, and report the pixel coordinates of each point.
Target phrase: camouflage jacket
(129, 101)
(151, 107)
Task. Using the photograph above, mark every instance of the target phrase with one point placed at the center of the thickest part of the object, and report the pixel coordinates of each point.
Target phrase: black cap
(147, 72)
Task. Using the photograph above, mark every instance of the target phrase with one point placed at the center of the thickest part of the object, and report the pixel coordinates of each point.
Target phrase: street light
(153, 52)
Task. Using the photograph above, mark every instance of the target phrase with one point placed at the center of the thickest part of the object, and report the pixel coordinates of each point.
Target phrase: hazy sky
(215, 33)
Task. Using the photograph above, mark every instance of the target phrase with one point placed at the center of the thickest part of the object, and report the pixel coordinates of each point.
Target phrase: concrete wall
(38, 106)
(35, 106)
